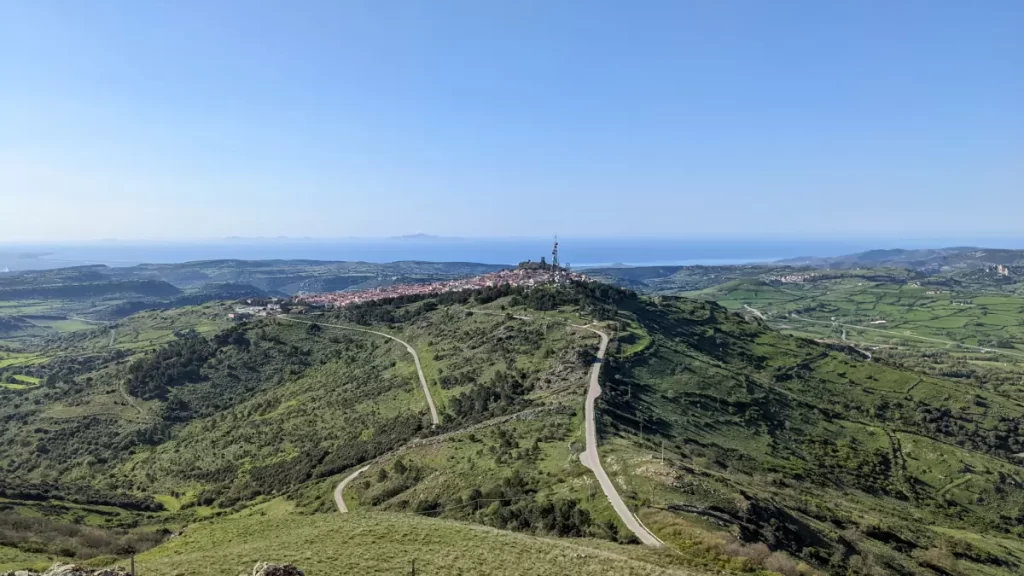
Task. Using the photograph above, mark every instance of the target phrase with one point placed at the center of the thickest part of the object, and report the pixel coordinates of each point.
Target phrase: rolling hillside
(49, 302)
(743, 448)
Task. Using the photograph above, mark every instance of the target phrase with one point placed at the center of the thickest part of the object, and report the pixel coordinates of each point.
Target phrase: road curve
(341, 486)
(591, 460)
(415, 357)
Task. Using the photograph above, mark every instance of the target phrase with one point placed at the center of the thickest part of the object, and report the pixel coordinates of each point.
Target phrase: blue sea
(579, 252)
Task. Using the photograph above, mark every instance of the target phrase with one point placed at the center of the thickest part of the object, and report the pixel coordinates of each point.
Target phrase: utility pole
(133, 564)
(413, 567)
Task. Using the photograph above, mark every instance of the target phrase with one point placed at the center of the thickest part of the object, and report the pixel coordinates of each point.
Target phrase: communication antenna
(554, 253)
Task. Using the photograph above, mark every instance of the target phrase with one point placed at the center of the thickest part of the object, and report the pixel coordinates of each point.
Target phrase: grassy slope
(15, 559)
(384, 543)
(808, 449)
(932, 329)
(786, 441)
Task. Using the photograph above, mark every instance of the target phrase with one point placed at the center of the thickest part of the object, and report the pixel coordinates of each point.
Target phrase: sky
(191, 120)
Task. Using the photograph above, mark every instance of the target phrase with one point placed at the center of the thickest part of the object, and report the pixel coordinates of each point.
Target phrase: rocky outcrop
(59, 569)
(265, 569)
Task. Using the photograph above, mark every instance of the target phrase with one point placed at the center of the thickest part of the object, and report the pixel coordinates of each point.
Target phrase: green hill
(743, 448)
(812, 449)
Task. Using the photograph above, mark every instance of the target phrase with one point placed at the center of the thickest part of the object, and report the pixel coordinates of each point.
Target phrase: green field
(970, 335)
(68, 325)
(889, 310)
(8, 359)
(15, 559)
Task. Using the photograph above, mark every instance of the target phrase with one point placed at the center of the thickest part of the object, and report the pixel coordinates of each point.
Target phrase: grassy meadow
(388, 543)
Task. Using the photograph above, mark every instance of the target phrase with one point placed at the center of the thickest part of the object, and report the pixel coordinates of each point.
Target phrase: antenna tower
(554, 254)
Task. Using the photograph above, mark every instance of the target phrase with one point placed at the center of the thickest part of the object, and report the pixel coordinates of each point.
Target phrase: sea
(578, 252)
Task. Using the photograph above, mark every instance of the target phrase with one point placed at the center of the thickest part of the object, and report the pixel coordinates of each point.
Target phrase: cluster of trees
(514, 504)
(846, 463)
(997, 343)
(398, 309)
(504, 393)
(185, 361)
(45, 536)
(12, 324)
(391, 483)
(64, 370)
(597, 298)
(456, 379)
(177, 363)
(78, 493)
(1006, 438)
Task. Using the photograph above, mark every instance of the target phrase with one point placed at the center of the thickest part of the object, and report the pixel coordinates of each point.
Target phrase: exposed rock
(265, 569)
(59, 569)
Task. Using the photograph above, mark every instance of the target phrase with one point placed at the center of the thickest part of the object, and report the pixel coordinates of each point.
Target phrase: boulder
(265, 569)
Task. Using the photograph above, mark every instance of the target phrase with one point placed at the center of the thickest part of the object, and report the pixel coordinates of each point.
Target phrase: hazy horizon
(632, 251)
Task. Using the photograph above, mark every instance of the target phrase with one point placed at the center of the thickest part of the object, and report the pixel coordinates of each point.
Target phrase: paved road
(341, 486)
(415, 357)
(592, 460)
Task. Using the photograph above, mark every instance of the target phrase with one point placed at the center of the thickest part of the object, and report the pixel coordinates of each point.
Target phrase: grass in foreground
(15, 559)
(385, 543)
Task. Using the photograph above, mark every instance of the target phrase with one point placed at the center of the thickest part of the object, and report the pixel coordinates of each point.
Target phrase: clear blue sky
(146, 119)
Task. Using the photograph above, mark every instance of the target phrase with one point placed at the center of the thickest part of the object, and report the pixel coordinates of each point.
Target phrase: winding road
(592, 460)
(589, 458)
(341, 486)
(415, 357)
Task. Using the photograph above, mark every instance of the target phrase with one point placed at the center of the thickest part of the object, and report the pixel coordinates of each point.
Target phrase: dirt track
(415, 357)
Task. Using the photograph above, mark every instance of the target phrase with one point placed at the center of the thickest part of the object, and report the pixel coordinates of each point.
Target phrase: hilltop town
(528, 273)
(525, 275)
